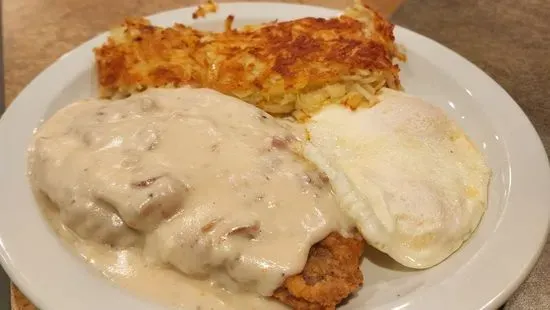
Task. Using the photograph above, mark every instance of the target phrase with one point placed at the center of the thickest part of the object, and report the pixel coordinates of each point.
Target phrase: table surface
(508, 39)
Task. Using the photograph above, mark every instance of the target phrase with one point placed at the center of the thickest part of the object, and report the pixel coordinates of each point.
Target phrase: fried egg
(405, 173)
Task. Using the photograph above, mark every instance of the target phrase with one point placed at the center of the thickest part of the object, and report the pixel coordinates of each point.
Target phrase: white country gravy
(128, 269)
(187, 178)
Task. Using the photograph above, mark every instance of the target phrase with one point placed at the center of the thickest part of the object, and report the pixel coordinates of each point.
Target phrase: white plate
(481, 275)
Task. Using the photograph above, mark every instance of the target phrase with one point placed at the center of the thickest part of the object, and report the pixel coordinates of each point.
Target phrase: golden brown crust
(331, 274)
(202, 10)
(268, 65)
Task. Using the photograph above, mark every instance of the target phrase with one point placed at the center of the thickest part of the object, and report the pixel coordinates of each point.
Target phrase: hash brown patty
(293, 67)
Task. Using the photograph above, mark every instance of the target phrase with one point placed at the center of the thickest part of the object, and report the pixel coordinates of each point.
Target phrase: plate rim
(20, 103)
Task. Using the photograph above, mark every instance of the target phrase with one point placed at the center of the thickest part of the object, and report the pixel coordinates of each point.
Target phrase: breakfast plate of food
(268, 156)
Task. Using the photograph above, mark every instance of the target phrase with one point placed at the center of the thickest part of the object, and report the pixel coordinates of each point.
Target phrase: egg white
(405, 173)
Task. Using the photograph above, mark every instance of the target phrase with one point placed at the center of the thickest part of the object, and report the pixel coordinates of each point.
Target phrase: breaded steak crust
(331, 274)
